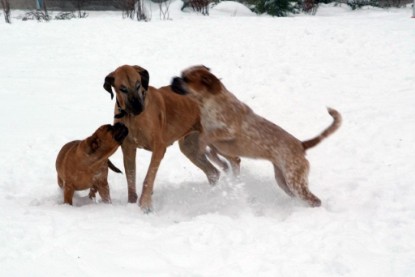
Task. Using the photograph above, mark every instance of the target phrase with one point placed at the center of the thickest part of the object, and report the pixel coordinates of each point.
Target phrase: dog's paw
(147, 210)
(145, 205)
(213, 177)
(132, 197)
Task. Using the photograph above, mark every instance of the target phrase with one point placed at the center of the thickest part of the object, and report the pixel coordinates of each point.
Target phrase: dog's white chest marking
(212, 116)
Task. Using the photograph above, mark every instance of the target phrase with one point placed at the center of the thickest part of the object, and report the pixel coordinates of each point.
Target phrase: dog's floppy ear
(211, 82)
(145, 77)
(206, 68)
(92, 144)
(108, 83)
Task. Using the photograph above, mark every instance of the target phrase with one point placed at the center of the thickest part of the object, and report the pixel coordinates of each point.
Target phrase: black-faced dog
(156, 118)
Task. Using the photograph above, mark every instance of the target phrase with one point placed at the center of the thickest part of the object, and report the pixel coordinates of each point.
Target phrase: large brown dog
(156, 118)
(83, 164)
(234, 129)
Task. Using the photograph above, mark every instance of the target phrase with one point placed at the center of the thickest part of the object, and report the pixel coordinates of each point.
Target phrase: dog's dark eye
(124, 89)
(137, 87)
(185, 79)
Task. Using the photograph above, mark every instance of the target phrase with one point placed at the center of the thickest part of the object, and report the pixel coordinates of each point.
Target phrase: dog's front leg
(104, 190)
(145, 199)
(129, 154)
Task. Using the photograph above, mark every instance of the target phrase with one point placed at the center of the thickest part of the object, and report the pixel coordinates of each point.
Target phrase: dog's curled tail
(113, 167)
(337, 120)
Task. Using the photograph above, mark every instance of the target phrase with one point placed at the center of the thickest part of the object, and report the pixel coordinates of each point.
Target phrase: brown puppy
(234, 129)
(83, 164)
(156, 118)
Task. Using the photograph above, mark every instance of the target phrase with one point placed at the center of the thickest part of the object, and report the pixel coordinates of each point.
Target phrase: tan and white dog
(235, 130)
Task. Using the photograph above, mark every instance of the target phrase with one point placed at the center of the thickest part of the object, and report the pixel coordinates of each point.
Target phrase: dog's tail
(113, 167)
(337, 120)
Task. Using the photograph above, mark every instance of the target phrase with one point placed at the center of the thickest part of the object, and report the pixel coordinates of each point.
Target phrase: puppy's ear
(109, 83)
(145, 76)
(94, 145)
(211, 82)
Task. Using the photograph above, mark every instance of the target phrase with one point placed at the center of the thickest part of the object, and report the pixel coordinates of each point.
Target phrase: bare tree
(201, 6)
(6, 9)
(45, 10)
(141, 11)
(310, 6)
(80, 4)
(132, 9)
(128, 8)
(39, 14)
(164, 6)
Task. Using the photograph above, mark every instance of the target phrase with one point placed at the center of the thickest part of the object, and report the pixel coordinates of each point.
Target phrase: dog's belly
(242, 149)
(81, 180)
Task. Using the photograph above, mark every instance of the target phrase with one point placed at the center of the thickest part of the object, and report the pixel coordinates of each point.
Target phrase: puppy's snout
(177, 86)
(120, 132)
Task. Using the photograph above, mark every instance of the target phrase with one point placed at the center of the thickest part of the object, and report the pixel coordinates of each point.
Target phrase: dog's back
(62, 158)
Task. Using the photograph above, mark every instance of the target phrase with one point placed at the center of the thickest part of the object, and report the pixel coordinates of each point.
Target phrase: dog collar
(121, 113)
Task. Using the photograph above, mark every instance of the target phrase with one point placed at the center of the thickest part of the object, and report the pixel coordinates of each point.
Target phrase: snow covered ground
(287, 69)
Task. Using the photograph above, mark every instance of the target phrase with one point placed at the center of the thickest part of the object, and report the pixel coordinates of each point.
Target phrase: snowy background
(287, 69)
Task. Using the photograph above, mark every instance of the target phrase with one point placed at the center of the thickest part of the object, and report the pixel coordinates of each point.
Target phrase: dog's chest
(140, 132)
(212, 116)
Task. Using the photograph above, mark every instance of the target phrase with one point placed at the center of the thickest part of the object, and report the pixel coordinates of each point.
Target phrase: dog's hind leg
(68, 192)
(296, 175)
(279, 176)
(305, 194)
(60, 182)
(189, 146)
(92, 191)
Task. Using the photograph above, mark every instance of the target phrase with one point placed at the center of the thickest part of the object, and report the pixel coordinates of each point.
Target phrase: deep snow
(287, 69)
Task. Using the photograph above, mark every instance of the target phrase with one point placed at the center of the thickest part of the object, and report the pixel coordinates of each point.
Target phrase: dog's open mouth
(120, 132)
(177, 85)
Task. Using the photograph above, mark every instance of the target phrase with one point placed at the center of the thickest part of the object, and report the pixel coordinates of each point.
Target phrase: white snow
(288, 70)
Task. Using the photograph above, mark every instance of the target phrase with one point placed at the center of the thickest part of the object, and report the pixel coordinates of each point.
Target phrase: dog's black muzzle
(134, 106)
(177, 85)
